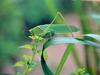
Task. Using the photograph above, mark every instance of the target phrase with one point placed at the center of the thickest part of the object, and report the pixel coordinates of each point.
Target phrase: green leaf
(95, 36)
(60, 40)
(56, 28)
(44, 54)
(64, 58)
(19, 73)
(31, 65)
(19, 64)
(96, 18)
(26, 57)
(91, 43)
(45, 67)
(80, 71)
(30, 69)
(27, 46)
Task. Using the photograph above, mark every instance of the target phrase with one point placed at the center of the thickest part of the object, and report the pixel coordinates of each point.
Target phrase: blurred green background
(18, 16)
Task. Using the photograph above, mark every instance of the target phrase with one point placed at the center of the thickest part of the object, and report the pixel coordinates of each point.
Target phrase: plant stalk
(64, 58)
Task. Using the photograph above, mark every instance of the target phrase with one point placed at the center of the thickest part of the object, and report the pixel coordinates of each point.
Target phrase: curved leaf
(27, 46)
(19, 64)
(91, 43)
(95, 36)
(45, 67)
(60, 40)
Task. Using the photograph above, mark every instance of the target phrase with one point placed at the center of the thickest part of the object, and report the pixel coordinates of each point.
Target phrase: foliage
(16, 13)
(80, 71)
(46, 34)
(10, 30)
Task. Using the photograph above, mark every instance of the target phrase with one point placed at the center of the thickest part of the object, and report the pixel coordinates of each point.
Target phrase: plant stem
(34, 52)
(76, 58)
(64, 58)
(84, 20)
(25, 70)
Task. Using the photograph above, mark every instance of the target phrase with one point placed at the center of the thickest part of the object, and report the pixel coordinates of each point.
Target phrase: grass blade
(64, 58)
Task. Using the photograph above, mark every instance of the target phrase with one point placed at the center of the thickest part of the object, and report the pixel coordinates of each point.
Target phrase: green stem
(34, 52)
(64, 58)
(51, 6)
(75, 57)
(25, 70)
(84, 20)
(33, 55)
